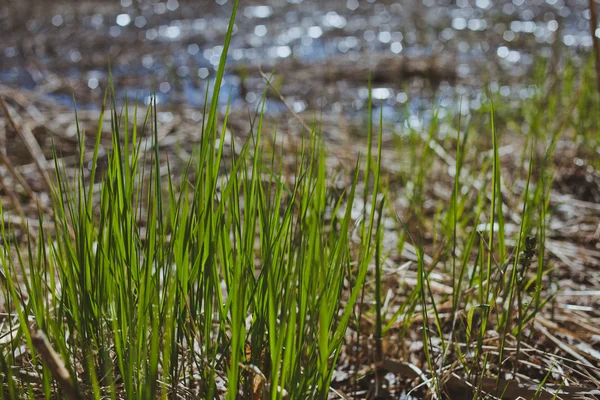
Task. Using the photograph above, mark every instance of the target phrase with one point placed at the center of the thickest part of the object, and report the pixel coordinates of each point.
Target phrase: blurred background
(418, 51)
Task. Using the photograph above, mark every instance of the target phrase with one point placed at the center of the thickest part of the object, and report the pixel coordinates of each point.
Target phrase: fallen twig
(56, 365)
(33, 147)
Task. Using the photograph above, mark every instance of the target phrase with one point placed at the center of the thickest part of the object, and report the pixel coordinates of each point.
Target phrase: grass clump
(235, 279)
(232, 278)
(221, 282)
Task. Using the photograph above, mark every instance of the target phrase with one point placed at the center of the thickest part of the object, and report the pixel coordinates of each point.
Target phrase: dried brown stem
(33, 147)
(19, 177)
(56, 365)
(278, 93)
(13, 199)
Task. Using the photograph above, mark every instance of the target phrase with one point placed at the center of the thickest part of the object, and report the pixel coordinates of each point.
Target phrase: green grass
(500, 292)
(236, 279)
(232, 281)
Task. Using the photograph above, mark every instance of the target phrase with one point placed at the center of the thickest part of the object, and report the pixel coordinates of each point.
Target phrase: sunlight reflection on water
(179, 42)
